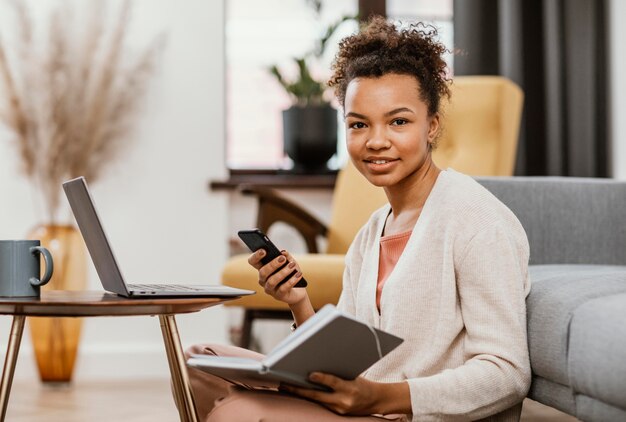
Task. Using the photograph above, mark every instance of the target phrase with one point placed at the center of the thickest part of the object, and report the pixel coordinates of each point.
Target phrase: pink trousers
(220, 400)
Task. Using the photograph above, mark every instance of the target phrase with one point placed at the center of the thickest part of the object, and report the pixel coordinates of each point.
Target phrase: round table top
(81, 303)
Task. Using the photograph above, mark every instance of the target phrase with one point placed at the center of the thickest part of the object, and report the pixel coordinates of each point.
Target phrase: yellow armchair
(480, 126)
(480, 131)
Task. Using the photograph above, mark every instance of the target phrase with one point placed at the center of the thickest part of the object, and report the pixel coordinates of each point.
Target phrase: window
(263, 33)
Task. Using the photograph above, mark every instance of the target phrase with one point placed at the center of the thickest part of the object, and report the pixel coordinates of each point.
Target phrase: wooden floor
(139, 401)
(128, 401)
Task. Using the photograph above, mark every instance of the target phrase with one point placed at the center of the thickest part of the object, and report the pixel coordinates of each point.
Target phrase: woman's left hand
(356, 397)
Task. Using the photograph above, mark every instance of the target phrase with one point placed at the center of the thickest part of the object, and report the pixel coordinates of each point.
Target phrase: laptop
(102, 256)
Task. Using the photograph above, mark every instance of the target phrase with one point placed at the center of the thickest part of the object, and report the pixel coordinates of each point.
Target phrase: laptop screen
(92, 231)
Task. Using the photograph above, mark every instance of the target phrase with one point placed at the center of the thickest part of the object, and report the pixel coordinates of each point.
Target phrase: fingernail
(281, 259)
(261, 252)
(298, 274)
(292, 264)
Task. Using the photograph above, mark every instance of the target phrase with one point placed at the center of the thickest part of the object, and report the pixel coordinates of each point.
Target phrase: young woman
(444, 265)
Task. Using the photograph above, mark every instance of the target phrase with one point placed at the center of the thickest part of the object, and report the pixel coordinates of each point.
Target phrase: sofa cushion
(597, 350)
(592, 410)
(568, 220)
(557, 291)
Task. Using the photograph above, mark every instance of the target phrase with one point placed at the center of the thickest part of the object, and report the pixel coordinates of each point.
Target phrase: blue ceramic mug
(20, 268)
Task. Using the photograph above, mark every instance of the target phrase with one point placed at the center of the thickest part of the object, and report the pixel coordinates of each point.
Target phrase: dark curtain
(556, 51)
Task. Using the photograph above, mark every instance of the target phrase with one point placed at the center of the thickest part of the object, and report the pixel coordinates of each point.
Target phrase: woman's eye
(399, 122)
(357, 125)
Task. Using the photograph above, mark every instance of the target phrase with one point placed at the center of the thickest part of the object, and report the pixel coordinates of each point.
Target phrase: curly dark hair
(380, 48)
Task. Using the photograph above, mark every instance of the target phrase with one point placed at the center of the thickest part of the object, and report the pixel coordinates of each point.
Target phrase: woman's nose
(377, 140)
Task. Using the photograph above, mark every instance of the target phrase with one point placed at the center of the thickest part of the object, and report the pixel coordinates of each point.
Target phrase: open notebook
(330, 341)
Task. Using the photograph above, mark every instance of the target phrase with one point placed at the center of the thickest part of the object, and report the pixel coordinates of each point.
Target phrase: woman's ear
(433, 128)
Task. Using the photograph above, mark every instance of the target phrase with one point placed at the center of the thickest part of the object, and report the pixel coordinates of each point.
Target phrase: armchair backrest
(568, 220)
(480, 132)
(480, 126)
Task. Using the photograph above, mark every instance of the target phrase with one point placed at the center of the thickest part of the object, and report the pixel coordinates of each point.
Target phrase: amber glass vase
(55, 340)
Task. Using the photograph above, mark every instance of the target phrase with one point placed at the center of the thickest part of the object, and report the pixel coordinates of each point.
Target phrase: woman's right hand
(284, 292)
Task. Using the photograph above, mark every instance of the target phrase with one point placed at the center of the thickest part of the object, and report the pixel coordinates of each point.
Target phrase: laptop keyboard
(164, 288)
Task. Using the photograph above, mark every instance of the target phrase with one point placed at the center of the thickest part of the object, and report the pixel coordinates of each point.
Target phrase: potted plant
(310, 124)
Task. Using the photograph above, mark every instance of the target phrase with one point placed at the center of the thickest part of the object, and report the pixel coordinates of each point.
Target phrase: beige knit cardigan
(456, 297)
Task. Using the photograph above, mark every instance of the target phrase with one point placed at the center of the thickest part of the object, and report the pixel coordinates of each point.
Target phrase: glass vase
(55, 340)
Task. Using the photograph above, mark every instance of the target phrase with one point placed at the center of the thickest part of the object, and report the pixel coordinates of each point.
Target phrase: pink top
(391, 248)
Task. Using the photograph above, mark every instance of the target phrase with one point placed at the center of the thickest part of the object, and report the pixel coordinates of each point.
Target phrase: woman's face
(388, 129)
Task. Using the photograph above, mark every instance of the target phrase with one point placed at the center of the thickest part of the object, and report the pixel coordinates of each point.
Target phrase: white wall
(163, 222)
(617, 129)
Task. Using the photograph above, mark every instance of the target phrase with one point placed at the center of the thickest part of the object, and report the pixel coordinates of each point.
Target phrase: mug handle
(49, 266)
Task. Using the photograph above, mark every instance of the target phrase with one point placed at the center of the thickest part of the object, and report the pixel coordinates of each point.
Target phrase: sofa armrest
(274, 208)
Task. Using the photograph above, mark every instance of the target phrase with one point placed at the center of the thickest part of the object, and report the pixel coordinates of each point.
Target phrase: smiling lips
(380, 164)
(381, 160)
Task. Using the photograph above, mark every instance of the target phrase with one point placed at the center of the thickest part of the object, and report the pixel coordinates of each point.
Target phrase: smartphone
(255, 239)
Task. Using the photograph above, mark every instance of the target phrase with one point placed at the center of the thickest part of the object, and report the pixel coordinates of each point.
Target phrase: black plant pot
(310, 136)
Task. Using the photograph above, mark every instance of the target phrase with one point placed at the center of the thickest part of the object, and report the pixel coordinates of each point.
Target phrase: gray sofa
(577, 306)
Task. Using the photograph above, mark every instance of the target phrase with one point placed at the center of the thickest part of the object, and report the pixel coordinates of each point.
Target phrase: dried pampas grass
(71, 107)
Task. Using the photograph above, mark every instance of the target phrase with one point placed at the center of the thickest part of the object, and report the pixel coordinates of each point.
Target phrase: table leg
(15, 338)
(178, 368)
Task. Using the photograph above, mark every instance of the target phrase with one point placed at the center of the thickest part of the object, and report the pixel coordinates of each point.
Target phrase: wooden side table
(90, 304)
